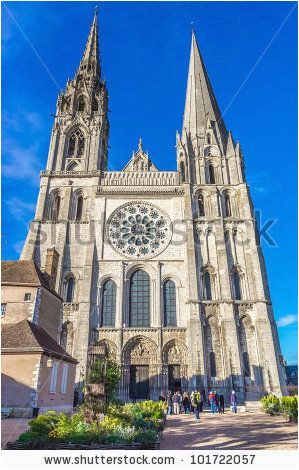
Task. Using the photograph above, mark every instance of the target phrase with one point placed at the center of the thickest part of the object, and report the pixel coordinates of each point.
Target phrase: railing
(143, 178)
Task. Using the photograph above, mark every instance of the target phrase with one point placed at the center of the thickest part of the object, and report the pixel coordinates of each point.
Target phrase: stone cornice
(228, 301)
(71, 174)
(64, 221)
(143, 190)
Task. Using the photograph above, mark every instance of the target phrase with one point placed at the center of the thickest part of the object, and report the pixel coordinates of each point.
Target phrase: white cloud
(19, 120)
(20, 163)
(20, 209)
(287, 320)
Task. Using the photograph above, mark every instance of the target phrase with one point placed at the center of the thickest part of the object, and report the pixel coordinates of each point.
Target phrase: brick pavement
(11, 428)
(229, 431)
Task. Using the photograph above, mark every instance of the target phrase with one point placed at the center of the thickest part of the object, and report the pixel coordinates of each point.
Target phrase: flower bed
(130, 426)
(288, 406)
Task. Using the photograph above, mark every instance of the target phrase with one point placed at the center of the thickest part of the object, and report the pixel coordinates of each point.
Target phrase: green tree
(107, 373)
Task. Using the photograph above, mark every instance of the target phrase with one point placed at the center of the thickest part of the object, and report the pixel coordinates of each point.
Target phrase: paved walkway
(229, 431)
(223, 432)
(11, 428)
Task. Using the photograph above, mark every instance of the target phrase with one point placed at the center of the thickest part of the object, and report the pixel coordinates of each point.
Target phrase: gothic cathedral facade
(162, 269)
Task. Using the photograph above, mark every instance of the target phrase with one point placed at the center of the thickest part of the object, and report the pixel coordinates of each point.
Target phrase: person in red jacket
(212, 401)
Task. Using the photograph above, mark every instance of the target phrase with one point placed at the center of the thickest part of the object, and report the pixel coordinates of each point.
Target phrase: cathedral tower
(163, 270)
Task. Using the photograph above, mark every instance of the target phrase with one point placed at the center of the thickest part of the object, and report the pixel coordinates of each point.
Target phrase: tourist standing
(201, 402)
(180, 401)
(196, 404)
(191, 402)
(221, 402)
(212, 402)
(176, 403)
(169, 402)
(162, 396)
(233, 401)
(186, 403)
(217, 401)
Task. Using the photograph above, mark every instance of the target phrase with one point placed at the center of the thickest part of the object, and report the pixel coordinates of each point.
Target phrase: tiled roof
(24, 272)
(25, 336)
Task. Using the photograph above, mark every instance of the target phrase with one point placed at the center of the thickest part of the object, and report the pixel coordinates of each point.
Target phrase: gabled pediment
(140, 161)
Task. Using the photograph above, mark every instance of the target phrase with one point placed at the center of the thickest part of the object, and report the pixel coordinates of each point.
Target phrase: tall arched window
(207, 286)
(76, 144)
(169, 298)
(54, 206)
(208, 138)
(227, 206)
(211, 174)
(246, 364)
(79, 208)
(69, 286)
(81, 104)
(108, 303)
(139, 299)
(183, 173)
(201, 205)
(236, 286)
(76, 210)
(213, 368)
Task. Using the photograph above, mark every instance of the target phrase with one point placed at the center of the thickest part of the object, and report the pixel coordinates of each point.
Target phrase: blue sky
(144, 55)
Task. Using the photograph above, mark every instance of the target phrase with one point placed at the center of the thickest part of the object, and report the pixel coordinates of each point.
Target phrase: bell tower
(79, 139)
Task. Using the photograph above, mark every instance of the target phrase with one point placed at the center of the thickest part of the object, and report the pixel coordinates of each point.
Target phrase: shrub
(146, 438)
(288, 406)
(34, 439)
(109, 423)
(131, 423)
(43, 424)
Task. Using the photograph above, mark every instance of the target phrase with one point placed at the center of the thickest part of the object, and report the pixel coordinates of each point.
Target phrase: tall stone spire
(201, 103)
(90, 61)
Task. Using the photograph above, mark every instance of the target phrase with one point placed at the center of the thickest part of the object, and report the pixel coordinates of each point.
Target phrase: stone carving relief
(110, 349)
(174, 353)
(140, 351)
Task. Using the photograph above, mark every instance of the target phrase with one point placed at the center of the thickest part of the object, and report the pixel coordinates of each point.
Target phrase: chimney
(51, 267)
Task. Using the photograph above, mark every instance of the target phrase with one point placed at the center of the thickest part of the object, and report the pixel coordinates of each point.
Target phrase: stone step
(252, 405)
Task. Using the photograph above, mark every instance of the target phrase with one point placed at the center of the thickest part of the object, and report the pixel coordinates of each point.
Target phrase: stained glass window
(169, 296)
(108, 303)
(139, 299)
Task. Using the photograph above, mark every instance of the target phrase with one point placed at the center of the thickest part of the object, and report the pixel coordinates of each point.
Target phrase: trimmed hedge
(288, 406)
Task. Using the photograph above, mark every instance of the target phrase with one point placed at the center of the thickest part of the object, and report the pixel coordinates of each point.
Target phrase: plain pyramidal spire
(201, 103)
(90, 61)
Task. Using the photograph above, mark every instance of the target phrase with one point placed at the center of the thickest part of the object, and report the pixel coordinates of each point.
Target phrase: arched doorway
(175, 366)
(139, 368)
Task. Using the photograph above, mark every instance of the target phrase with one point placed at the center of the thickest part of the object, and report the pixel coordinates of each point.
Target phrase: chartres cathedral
(163, 270)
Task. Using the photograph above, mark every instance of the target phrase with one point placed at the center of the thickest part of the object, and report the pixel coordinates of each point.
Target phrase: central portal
(174, 378)
(139, 382)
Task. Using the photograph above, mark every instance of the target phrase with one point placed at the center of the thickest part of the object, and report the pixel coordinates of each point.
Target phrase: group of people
(193, 403)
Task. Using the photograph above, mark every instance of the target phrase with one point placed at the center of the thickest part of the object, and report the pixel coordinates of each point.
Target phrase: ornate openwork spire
(201, 103)
(90, 60)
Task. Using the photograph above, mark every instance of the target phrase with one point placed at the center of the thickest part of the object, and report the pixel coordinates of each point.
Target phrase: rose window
(139, 230)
